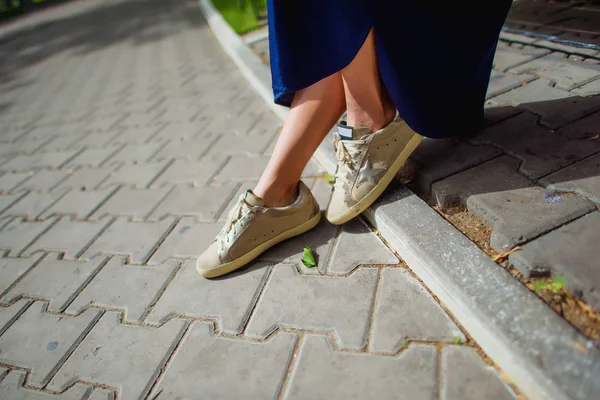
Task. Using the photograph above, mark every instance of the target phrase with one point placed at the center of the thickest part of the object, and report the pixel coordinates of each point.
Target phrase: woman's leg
(314, 111)
(368, 103)
(312, 114)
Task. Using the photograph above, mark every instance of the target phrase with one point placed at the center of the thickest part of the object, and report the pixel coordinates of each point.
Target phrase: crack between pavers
(290, 368)
(146, 217)
(161, 291)
(20, 312)
(42, 233)
(161, 240)
(262, 287)
(111, 221)
(160, 173)
(99, 206)
(370, 327)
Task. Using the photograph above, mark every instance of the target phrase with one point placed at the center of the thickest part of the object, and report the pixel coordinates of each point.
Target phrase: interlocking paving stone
(500, 83)
(41, 341)
(320, 240)
(68, 236)
(34, 204)
(13, 268)
(137, 203)
(582, 177)
(404, 311)
(55, 280)
(9, 181)
(357, 245)
(192, 172)
(536, 91)
(566, 73)
(91, 157)
(136, 240)
(341, 305)
(541, 150)
(136, 136)
(202, 203)
(494, 188)
(466, 377)
(229, 300)
(40, 160)
(322, 373)
(322, 191)
(134, 154)
(242, 168)
(592, 88)
(188, 239)
(86, 178)
(100, 357)
(567, 252)
(18, 234)
(560, 112)
(507, 56)
(441, 158)
(241, 144)
(8, 200)
(585, 128)
(140, 176)
(112, 287)
(12, 388)
(258, 368)
(191, 150)
(43, 180)
(79, 204)
(7, 314)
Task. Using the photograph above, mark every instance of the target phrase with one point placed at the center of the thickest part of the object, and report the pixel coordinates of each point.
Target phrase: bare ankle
(277, 196)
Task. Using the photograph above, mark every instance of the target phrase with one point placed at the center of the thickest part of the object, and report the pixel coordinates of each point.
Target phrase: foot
(252, 228)
(367, 163)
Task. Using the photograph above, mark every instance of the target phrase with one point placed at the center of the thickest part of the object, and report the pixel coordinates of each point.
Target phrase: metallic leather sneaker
(252, 228)
(367, 163)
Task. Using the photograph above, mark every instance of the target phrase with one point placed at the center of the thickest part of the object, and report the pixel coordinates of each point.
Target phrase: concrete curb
(538, 350)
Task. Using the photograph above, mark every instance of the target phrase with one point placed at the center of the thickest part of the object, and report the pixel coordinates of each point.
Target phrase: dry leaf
(579, 347)
(504, 255)
(596, 137)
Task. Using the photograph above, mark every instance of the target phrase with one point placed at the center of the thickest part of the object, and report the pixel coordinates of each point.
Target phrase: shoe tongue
(253, 199)
(347, 132)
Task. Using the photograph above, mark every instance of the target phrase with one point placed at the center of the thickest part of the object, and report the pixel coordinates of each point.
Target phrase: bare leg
(312, 114)
(314, 111)
(368, 103)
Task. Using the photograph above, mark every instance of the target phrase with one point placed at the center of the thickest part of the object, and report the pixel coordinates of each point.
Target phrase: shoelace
(345, 152)
(236, 216)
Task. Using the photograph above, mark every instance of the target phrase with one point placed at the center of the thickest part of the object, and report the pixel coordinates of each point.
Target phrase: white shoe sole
(257, 251)
(374, 194)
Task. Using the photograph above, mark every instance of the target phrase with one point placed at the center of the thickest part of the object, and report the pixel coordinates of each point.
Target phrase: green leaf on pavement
(456, 340)
(557, 284)
(308, 259)
(539, 285)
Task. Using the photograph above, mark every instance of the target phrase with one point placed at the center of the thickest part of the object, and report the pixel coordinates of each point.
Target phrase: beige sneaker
(252, 228)
(367, 163)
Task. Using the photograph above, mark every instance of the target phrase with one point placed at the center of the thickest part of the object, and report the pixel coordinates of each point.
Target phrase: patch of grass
(242, 15)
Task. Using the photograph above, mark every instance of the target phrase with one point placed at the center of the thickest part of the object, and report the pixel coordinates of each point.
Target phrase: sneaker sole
(257, 251)
(385, 181)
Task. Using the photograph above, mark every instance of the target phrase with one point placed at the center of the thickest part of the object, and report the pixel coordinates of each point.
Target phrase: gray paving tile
(79, 204)
(44, 180)
(341, 305)
(9, 181)
(592, 88)
(230, 144)
(241, 168)
(86, 178)
(570, 252)
(8, 200)
(140, 176)
(111, 288)
(137, 203)
(357, 245)
(191, 150)
(259, 368)
(203, 203)
(41, 341)
(508, 57)
(404, 310)
(55, 280)
(14, 268)
(584, 128)
(9, 314)
(92, 157)
(582, 177)
(100, 357)
(188, 240)
(24, 163)
(230, 300)
(466, 377)
(541, 150)
(136, 240)
(18, 234)
(34, 204)
(134, 154)
(323, 373)
(537, 91)
(500, 83)
(190, 172)
(68, 237)
(11, 387)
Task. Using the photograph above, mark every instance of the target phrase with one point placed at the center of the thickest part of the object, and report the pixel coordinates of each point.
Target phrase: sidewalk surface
(126, 133)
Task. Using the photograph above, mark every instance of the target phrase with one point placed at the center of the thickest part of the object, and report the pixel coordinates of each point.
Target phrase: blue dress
(435, 58)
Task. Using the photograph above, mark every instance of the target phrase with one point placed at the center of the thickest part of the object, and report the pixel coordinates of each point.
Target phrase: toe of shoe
(209, 261)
